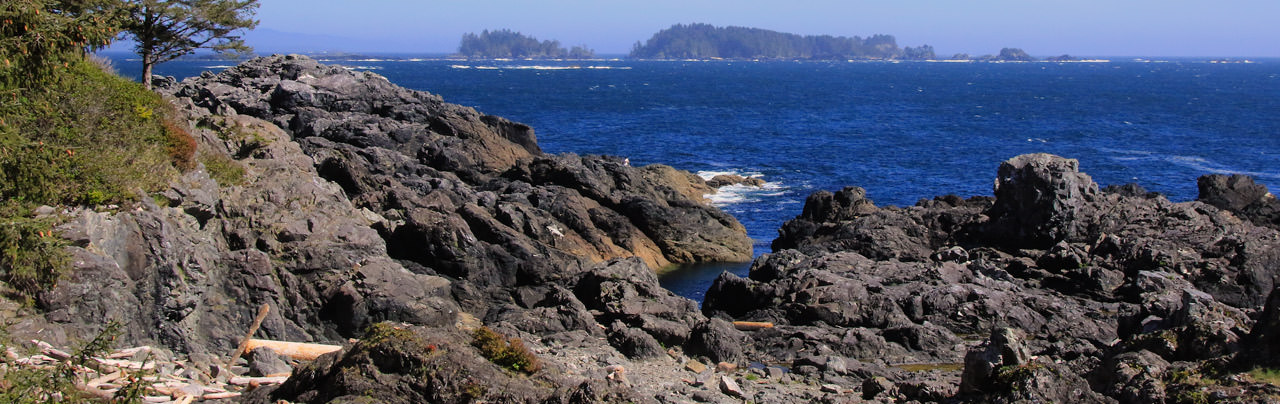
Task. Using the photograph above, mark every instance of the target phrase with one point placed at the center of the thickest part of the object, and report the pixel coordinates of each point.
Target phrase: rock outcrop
(470, 195)
(1101, 281)
(1240, 195)
(345, 203)
(374, 212)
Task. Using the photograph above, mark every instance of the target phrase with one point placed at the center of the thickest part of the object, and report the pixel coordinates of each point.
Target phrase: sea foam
(737, 193)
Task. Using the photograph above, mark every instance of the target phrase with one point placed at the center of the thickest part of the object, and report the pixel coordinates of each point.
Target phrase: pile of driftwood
(167, 381)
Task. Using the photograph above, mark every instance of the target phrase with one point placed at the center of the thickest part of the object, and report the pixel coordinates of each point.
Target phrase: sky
(1224, 28)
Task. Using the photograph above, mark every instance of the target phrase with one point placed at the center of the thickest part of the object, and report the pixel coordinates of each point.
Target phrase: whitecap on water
(737, 193)
(1203, 164)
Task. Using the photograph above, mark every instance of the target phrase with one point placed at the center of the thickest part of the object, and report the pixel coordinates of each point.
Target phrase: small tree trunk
(147, 64)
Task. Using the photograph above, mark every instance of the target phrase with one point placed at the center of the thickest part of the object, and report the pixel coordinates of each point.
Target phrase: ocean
(903, 131)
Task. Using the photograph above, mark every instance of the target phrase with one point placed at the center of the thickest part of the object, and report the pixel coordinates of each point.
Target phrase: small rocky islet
(402, 227)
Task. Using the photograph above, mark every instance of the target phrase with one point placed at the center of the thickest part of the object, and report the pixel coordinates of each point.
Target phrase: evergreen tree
(165, 30)
(40, 36)
(705, 41)
(506, 43)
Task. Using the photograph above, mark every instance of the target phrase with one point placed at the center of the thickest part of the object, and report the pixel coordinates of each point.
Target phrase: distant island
(705, 41)
(506, 43)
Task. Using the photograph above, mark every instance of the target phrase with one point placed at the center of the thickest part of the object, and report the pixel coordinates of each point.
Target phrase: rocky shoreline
(400, 226)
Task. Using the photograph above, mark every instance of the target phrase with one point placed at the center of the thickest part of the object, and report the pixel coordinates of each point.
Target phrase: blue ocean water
(904, 131)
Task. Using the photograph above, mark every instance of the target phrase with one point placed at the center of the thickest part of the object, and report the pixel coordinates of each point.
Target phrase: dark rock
(264, 361)
(1003, 350)
(1039, 198)
(926, 389)
(874, 386)
(415, 364)
(1134, 377)
(634, 343)
(473, 195)
(724, 180)
(1130, 190)
(1241, 196)
(717, 340)
(1263, 343)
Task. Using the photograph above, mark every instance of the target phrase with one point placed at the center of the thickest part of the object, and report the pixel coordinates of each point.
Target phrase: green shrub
(508, 353)
(91, 137)
(82, 136)
(32, 258)
(1266, 375)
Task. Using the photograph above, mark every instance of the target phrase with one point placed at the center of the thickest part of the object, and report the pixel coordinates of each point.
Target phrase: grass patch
(89, 138)
(1266, 375)
(508, 353)
(223, 169)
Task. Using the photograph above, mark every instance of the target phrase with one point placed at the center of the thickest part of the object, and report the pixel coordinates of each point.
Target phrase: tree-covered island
(705, 41)
(506, 43)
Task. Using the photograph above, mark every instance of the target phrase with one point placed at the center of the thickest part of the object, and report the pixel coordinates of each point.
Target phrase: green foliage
(508, 353)
(1266, 375)
(165, 30)
(223, 169)
(510, 44)
(473, 391)
(92, 138)
(38, 38)
(32, 258)
(704, 41)
(386, 332)
(23, 385)
(70, 132)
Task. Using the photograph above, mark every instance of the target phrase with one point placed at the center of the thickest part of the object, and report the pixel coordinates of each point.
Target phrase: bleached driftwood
(751, 325)
(246, 380)
(295, 350)
(253, 328)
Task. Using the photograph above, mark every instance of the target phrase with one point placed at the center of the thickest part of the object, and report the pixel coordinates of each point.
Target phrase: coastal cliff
(454, 261)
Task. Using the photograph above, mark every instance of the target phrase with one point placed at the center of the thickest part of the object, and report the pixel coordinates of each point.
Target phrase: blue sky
(1041, 27)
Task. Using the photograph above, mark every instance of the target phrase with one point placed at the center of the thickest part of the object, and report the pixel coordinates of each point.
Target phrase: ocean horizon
(904, 131)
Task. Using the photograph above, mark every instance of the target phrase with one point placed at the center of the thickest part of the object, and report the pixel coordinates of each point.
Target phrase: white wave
(540, 67)
(707, 175)
(1202, 164)
(738, 193)
(1199, 164)
(724, 198)
(219, 67)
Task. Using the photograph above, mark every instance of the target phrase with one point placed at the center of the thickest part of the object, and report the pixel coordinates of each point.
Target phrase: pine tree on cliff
(166, 30)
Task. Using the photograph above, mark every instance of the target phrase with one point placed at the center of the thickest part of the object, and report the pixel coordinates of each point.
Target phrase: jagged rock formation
(187, 269)
(1097, 279)
(471, 195)
(1240, 195)
(362, 202)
